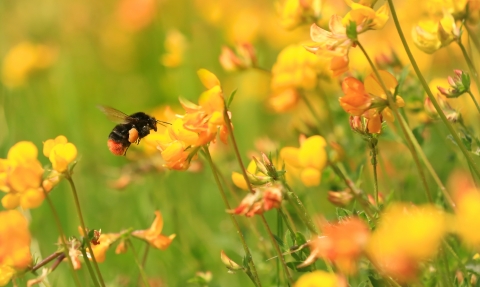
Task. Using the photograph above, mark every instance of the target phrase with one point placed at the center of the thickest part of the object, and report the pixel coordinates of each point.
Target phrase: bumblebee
(130, 129)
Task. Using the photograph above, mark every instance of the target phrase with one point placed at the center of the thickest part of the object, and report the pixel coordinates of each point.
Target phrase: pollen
(132, 135)
(115, 147)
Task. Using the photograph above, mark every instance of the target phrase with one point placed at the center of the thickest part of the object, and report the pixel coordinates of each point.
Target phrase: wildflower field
(303, 143)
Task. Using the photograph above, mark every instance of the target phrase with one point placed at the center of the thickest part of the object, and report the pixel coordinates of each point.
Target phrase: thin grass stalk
(139, 265)
(248, 255)
(444, 119)
(84, 229)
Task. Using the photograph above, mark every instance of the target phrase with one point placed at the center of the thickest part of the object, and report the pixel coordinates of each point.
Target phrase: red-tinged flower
(369, 100)
(153, 235)
(243, 56)
(265, 198)
(342, 243)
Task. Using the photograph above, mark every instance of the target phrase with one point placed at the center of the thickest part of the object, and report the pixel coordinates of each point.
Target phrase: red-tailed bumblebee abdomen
(118, 140)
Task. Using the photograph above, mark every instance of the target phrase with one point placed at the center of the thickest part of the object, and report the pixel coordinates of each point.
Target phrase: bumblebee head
(152, 123)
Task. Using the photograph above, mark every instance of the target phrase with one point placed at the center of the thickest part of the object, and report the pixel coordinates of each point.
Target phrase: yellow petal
(290, 156)
(6, 274)
(310, 177)
(312, 153)
(372, 85)
(62, 155)
(32, 198)
(11, 200)
(209, 80)
(318, 279)
(22, 151)
(239, 180)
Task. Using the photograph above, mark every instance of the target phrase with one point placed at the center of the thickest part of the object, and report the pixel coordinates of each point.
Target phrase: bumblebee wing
(114, 115)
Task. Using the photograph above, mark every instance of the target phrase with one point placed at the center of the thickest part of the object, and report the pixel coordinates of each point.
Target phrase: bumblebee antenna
(163, 123)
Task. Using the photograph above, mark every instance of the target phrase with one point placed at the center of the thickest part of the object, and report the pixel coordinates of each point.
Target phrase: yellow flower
(311, 158)
(104, 242)
(406, 235)
(238, 178)
(60, 152)
(21, 176)
(466, 223)
(365, 17)
(294, 13)
(175, 46)
(206, 118)
(431, 35)
(24, 59)
(14, 240)
(320, 279)
(153, 235)
(6, 274)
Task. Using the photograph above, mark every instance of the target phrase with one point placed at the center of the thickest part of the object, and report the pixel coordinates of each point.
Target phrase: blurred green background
(113, 53)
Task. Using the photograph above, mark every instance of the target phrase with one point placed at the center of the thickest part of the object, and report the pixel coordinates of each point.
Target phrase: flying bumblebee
(130, 129)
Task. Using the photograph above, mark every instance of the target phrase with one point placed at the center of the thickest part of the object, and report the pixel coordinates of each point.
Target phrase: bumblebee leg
(125, 152)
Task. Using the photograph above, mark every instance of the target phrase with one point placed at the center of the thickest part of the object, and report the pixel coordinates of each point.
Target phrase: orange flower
(369, 100)
(265, 198)
(21, 176)
(14, 243)
(153, 235)
(342, 243)
(242, 58)
(206, 118)
(104, 242)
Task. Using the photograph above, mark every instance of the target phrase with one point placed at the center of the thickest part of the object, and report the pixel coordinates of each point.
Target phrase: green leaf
(230, 99)
(279, 240)
(417, 132)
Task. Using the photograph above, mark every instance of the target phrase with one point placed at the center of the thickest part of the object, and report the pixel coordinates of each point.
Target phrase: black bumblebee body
(130, 129)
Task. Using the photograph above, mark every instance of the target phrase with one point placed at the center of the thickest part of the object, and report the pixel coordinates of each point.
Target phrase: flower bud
(231, 265)
(340, 198)
(242, 58)
(459, 85)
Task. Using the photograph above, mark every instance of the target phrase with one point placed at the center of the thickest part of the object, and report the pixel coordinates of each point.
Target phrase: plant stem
(472, 35)
(313, 112)
(84, 229)
(45, 261)
(244, 171)
(429, 92)
(356, 192)
(472, 69)
(474, 100)
(62, 238)
(373, 143)
(460, 263)
(139, 265)
(430, 168)
(277, 248)
(294, 200)
(403, 127)
(248, 255)
(89, 267)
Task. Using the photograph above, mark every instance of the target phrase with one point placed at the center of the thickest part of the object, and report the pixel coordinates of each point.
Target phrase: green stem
(287, 221)
(472, 69)
(446, 271)
(355, 190)
(62, 238)
(429, 166)
(373, 143)
(460, 263)
(248, 255)
(139, 265)
(89, 266)
(474, 100)
(429, 92)
(277, 248)
(84, 229)
(294, 200)
(472, 35)
(228, 123)
(312, 111)
(404, 128)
